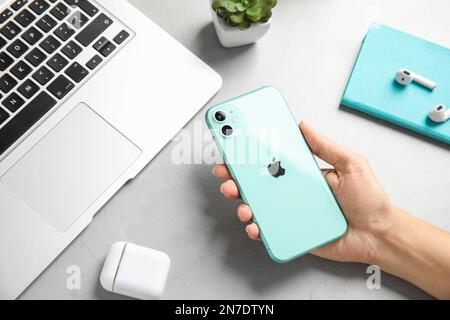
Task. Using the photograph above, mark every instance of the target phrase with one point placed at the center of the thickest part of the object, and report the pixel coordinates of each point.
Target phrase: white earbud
(439, 114)
(405, 77)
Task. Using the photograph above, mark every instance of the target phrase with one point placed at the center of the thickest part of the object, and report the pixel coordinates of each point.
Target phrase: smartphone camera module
(227, 131)
(220, 116)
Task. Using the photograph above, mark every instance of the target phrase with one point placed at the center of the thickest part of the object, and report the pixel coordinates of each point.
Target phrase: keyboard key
(13, 102)
(50, 44)
(94, 62)
(57, 62)
(39, 6)
(46, 23)
(28, 89)
(121, 37)
(76, 72)
(94, 30)
(17, 48)
(3, 116)
(19, 4)
(71, 50)
(78, 20)
(84, 5)
(7, 83)
(98, 45)
(2, 42)
(21, 70)
(25, 119)
(64, 32)
(10, 30)
(60, 11)
(25, 18)
(5, 61)
(36, 57)
(5, 15)
(88, 7)
(60, 87)
(32, 35)
(43, 75)
(107, 49)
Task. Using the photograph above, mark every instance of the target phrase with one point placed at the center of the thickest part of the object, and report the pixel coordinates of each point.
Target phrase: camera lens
(220, 116)
(227, 130)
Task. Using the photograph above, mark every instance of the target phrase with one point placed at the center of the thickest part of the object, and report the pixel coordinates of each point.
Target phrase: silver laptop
(90, 92)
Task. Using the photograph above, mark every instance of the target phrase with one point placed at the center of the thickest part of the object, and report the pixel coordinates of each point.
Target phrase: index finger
(221, 172)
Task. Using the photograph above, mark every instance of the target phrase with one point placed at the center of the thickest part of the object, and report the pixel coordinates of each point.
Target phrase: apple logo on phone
(276, 170)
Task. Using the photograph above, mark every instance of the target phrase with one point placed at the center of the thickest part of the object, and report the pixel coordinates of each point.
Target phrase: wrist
(391, 238)
(416, 252)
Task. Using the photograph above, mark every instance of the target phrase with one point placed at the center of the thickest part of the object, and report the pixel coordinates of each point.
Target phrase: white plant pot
(231, 37)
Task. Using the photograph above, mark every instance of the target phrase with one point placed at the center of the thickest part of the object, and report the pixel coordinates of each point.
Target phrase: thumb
(326, 149)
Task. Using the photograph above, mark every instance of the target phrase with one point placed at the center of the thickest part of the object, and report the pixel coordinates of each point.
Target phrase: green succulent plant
(242, 13)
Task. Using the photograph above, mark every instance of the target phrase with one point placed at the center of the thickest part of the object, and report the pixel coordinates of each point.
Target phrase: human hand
(368, 209)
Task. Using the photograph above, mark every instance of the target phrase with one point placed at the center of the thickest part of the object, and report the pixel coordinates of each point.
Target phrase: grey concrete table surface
(178, 209)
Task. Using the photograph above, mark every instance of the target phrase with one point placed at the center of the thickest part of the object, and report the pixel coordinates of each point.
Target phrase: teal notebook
(372, 88)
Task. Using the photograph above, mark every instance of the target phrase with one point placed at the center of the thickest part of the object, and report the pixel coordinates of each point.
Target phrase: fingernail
(239, 214)
(214, 171)
(221, 187)
(247, 229)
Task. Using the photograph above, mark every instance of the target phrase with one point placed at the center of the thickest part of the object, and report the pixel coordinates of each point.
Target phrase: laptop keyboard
(48, 50)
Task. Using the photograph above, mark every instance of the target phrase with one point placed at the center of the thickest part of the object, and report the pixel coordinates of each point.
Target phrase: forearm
(417, 252)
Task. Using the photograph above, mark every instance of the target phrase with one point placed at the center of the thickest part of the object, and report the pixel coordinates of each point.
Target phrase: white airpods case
(135, 271)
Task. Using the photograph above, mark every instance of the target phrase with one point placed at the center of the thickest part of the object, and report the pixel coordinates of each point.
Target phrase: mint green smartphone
(276, 173)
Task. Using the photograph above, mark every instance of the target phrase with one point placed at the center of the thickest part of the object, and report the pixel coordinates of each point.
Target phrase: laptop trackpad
(71, 167)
